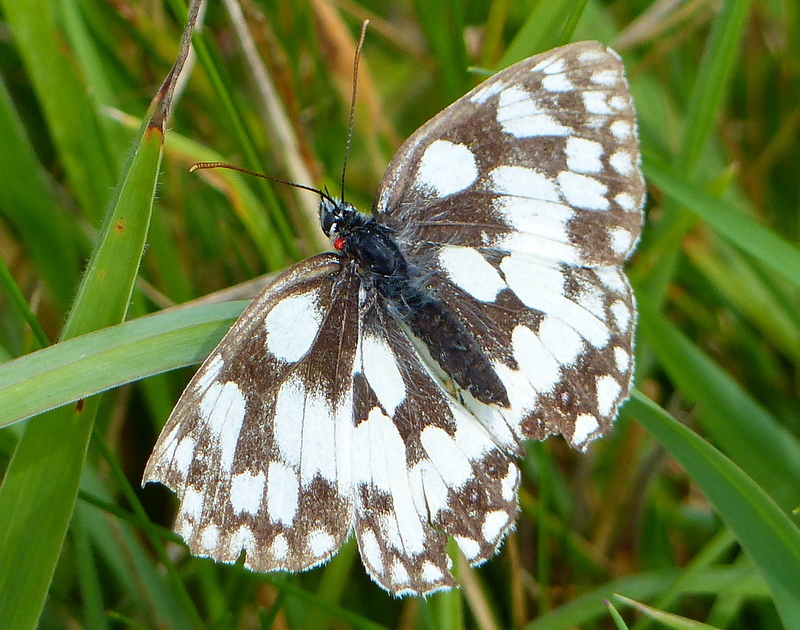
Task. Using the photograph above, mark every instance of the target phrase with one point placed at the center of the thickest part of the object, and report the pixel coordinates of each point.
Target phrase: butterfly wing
(422, 466)
(520, 201)
(258, 446)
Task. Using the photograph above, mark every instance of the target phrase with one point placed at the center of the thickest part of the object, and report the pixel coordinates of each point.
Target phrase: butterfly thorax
(383, 266)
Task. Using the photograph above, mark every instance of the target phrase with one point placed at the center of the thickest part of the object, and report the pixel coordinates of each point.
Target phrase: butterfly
(387, 387)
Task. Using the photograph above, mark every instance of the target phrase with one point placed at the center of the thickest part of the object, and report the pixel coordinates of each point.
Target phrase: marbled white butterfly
(387, 387)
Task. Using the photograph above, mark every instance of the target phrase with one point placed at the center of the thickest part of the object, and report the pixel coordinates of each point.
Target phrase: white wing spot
(519, 181)
(318, 439)
(434, 488)
(622, 359)
(621, 240)
(545, 63)
(619, 102)
(470, 271)
(494, 525)
(608, 390)
(557, 65)
(521, 116)
(540, 367)
(242, 538)
(184, 454)
(606, 78)
(509, 483)
(371, 551)
(399, 573)
(446, 168)
(321, 543)
(583, 156)
(561, 340)
(430, 572)
(625, 201)
(210, 372)
(448, 460)
(247, 490)
(469, 547)
(557, 83)
(595, 103)
(192, 504)
(381, 371)
(612, 278)
(287, 426)
(209, 537)
(543, 298)
(283, 492)
(583, 191)
(223, 408)
(484, 93)
(622, 129)
(585, 425)
(592, 56)
(621, 313)
(622, 162)
(280, 547)
(292, 326)
(381, 460)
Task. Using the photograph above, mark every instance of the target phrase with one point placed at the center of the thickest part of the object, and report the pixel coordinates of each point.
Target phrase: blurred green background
(687, 506)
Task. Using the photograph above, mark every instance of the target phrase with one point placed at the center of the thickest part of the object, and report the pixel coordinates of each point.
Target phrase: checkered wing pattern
(330, 406)
(519, 202)
(258, 446)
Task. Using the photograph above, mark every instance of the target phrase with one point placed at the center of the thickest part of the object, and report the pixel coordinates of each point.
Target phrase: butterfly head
(336, 217)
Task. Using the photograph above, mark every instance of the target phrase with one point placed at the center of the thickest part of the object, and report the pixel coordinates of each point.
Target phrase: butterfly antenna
(204, 166)
(356, 61)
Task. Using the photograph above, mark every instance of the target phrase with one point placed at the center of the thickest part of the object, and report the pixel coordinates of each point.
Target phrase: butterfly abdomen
(456, 351)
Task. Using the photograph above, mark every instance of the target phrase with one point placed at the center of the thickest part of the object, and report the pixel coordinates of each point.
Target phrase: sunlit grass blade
(93, 363)
(765, 532)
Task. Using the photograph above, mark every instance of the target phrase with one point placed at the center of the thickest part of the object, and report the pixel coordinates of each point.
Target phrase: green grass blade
(31, 207)
(443, 24)
(713, 76)
(71, 119)
(765, 532)
(770, 249)
(113, 356)
(581, 611)
(667, 619)
(541, 31)
(742, 427)
(42, 479)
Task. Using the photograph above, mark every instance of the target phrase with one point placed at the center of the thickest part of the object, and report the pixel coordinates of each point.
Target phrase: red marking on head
(338, 243)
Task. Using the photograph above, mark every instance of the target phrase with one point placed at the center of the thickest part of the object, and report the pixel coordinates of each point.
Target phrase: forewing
(258, 446)
(517, 206)
(423, 466)
(542, 157)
